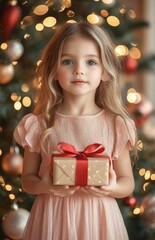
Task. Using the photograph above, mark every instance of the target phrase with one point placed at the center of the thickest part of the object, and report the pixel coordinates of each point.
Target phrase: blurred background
(25, 28)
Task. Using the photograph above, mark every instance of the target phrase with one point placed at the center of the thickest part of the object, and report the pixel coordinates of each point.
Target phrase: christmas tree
(26, 27)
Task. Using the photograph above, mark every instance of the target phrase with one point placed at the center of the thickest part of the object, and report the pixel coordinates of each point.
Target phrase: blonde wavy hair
(108, 94)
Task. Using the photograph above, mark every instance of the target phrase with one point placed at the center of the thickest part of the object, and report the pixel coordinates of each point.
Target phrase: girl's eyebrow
(72, 55)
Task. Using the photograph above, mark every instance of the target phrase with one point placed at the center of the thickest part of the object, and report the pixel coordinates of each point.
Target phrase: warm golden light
(93, 18)
(40, 10)
(25, 88)
(108, 1)
(113, 21)
(153, 176)
(26, 101)
(140, 145)
(17, 105)
(145, 185)
(27, 36)
(71, 21)
(49, 21)
(104, 13)
(147, 174)
(131, 97)
(12, 196)
(136, 211)
(14, 97)
(8, 187)
(121, 50)
(142, 172)
(39, 27)
(135, 53)
(4, 46)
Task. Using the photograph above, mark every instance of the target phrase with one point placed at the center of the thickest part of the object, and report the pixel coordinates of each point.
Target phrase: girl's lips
(79, 82)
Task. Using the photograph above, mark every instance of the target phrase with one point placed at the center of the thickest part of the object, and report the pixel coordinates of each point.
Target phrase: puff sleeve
(125, 134)
(28, 132)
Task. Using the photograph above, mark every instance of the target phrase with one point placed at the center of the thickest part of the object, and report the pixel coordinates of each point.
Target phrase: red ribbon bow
(92, 150)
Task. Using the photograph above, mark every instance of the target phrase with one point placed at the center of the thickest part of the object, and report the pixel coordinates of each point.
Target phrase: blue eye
(67, 62)
(91, 62)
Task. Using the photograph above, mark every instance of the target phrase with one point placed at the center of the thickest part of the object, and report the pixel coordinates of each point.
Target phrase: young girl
(79, 103)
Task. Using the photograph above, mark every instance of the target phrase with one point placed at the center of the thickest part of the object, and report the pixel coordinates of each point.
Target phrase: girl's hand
(61, 191)
(105, 190)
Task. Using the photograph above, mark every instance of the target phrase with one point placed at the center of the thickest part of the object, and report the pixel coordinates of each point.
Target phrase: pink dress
(82, 216)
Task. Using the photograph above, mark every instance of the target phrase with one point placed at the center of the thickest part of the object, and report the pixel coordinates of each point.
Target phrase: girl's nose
(78, 70)
(78, 73)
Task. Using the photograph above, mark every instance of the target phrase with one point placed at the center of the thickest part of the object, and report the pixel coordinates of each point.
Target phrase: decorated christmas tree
(25, 28)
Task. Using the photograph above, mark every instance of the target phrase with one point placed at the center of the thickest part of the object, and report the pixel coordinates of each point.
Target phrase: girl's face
(80, 70)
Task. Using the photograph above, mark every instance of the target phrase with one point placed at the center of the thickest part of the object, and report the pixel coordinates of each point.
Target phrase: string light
(113, 21)
(133, 96)
(12, 196)
(147, 174)
(145, 185)
(142, 172)
(135, 53)
(104, 13)
(4, 46)
(25, 88)
(26, 101)
(40, 10)
(93, 18)
(136, 211)
(49, 21)
(17, 105)
(8, 187)
(153, 176)
(121, 50)
(39, 27)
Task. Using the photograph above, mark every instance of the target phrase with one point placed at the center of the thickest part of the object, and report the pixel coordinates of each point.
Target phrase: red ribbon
(92, 150)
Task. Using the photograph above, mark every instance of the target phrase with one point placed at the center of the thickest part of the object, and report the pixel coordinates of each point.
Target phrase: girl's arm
(31, 182)
(121, 183)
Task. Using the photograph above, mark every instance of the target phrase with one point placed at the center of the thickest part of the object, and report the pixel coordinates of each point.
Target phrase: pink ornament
(14, 222)
(6, 73)
(12, 162)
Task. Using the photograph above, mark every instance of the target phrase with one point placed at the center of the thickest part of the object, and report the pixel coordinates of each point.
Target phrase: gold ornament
(12, 162)
(6, 73)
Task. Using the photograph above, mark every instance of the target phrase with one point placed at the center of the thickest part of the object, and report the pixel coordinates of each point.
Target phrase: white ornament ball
(6, 73)
(14, 222)
(14, 49)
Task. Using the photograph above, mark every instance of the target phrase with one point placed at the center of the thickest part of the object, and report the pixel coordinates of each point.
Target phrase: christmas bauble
(12, 162)
(14, 49)
(6, 73)
(14, 222)
(148, 210)
(129, 201)
(129, 65)
(10, 18)
(141, 111)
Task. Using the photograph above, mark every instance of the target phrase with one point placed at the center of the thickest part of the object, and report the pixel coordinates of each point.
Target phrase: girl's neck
(78, 107)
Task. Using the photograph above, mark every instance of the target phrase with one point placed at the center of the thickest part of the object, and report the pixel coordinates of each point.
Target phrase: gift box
(87, 168)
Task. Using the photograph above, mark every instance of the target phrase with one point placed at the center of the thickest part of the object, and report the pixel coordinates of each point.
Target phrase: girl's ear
(105, 77)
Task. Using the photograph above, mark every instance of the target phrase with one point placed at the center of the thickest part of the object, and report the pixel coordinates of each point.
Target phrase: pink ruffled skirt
(78, 217)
